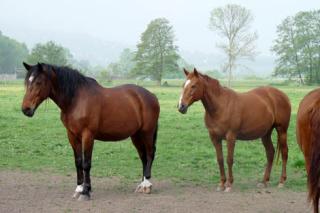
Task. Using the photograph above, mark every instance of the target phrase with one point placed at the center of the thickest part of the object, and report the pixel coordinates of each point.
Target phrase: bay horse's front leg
(231, 141)
(87, 147)
(76, 146)
(218, 146)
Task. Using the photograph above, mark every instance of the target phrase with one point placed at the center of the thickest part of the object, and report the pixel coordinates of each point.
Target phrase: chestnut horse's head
(192, 90)
(38, 86)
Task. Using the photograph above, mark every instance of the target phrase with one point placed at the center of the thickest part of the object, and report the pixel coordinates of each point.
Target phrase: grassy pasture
(184, 155)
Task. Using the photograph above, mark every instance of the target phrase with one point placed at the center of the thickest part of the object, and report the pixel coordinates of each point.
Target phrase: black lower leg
(78, 163)
(86, 177)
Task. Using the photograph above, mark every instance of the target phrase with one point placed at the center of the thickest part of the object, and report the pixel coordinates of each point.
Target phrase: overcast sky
(124, 20)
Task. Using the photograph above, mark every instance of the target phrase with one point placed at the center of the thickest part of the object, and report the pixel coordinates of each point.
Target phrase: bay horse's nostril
(28, 111)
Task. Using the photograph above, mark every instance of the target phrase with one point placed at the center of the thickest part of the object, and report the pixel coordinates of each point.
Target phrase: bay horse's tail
(314, 170)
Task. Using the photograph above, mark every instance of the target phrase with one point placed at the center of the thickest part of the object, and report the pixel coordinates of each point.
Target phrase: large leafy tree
(50, 53)
(12, 53)
(233, 24)
(298, 47)
(156, 54)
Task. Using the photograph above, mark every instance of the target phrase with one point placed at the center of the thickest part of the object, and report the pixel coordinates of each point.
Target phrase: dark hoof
(83, 197)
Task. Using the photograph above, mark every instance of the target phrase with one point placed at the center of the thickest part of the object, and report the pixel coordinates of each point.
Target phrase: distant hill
(102, 52)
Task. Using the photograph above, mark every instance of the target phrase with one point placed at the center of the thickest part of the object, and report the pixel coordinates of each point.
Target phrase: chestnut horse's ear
(195, 71)
(185, 71)
(27, 66)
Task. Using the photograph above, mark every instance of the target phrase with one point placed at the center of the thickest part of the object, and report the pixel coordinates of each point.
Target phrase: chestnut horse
(308, 137)
(245, 116)
(90, 111)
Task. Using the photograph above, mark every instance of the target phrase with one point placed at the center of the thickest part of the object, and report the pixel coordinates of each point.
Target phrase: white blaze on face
(31, 78)
(187, 82)
(185, 85)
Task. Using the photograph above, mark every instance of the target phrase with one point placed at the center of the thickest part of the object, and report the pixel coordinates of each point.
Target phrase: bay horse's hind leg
(267, 143)
(145, 145)
(283, 147)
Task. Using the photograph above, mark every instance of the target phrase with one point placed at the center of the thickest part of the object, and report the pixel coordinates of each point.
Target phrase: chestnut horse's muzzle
(183, 108)
(28, 111)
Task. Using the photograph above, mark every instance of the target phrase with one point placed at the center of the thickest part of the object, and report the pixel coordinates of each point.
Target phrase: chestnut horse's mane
(213, 83)
(68, 80)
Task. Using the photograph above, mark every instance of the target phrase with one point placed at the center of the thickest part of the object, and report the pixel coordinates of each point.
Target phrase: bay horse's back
(308, 138)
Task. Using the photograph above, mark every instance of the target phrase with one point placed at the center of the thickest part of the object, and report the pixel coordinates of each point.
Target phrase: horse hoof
(84, 198)
(262, 185)
(228, 189)
(280, 185)
(220, 188)
(143, 189)
(76, 195)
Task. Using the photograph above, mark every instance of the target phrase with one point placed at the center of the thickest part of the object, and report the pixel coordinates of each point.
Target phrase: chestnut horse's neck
(213, 95)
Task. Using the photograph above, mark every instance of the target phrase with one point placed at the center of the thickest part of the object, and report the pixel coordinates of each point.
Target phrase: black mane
(67, 80)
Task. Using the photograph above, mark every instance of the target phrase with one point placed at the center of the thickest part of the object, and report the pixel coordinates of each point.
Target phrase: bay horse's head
(192, 90)
(38, 86)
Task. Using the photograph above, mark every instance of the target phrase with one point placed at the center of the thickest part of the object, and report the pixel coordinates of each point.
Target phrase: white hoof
(76, 195)
(83, 197)
(280, 185)
(262, 185)
(220, 188)
(77, 191)
(144, 187)
(228, 189)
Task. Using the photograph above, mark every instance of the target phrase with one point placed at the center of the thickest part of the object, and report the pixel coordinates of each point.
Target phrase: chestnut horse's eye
(193, 86)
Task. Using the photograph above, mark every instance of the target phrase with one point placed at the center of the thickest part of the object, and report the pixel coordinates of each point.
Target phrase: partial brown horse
(245, 116)
(90, 111)
(308, 137)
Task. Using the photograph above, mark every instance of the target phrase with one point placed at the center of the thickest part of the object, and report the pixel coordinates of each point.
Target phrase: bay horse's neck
(60, 100)
(214, 96)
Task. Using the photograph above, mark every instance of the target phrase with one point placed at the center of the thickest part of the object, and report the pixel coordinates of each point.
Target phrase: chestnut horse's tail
(314, 170)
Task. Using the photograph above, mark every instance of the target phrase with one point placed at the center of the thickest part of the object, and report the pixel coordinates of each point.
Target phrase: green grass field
(184, 155)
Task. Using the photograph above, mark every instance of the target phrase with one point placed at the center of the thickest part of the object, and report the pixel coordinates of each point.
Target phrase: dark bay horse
(90, 111)
(308, 137)
(245, 116)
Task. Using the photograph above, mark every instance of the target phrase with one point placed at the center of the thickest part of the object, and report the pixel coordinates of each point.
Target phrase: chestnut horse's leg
(218, 146)
(87, 147)
(267, 143)
(76, 146)
(231, 141)
(282, 143)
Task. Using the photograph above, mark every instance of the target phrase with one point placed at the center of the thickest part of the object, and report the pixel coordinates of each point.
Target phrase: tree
(50, 53)
(126, 63)
(12, 53)
(297, 47)
(156, 54)
(233, 23)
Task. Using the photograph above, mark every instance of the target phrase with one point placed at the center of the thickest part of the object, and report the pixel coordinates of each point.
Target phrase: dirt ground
(42, 192)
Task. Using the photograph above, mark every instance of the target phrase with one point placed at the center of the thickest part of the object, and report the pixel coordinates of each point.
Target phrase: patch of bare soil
(42, 192)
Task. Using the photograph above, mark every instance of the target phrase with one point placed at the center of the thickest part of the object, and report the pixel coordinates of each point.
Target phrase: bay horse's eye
(193, 86)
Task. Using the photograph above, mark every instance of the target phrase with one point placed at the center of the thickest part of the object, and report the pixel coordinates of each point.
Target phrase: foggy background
(98, 30)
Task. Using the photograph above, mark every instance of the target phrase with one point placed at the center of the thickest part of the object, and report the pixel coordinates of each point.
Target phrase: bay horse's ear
(185, 71)
(195, 71)
(27, 66)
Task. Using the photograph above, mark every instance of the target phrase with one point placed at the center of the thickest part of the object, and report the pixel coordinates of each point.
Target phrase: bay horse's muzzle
(183, 108)
(28, 111)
